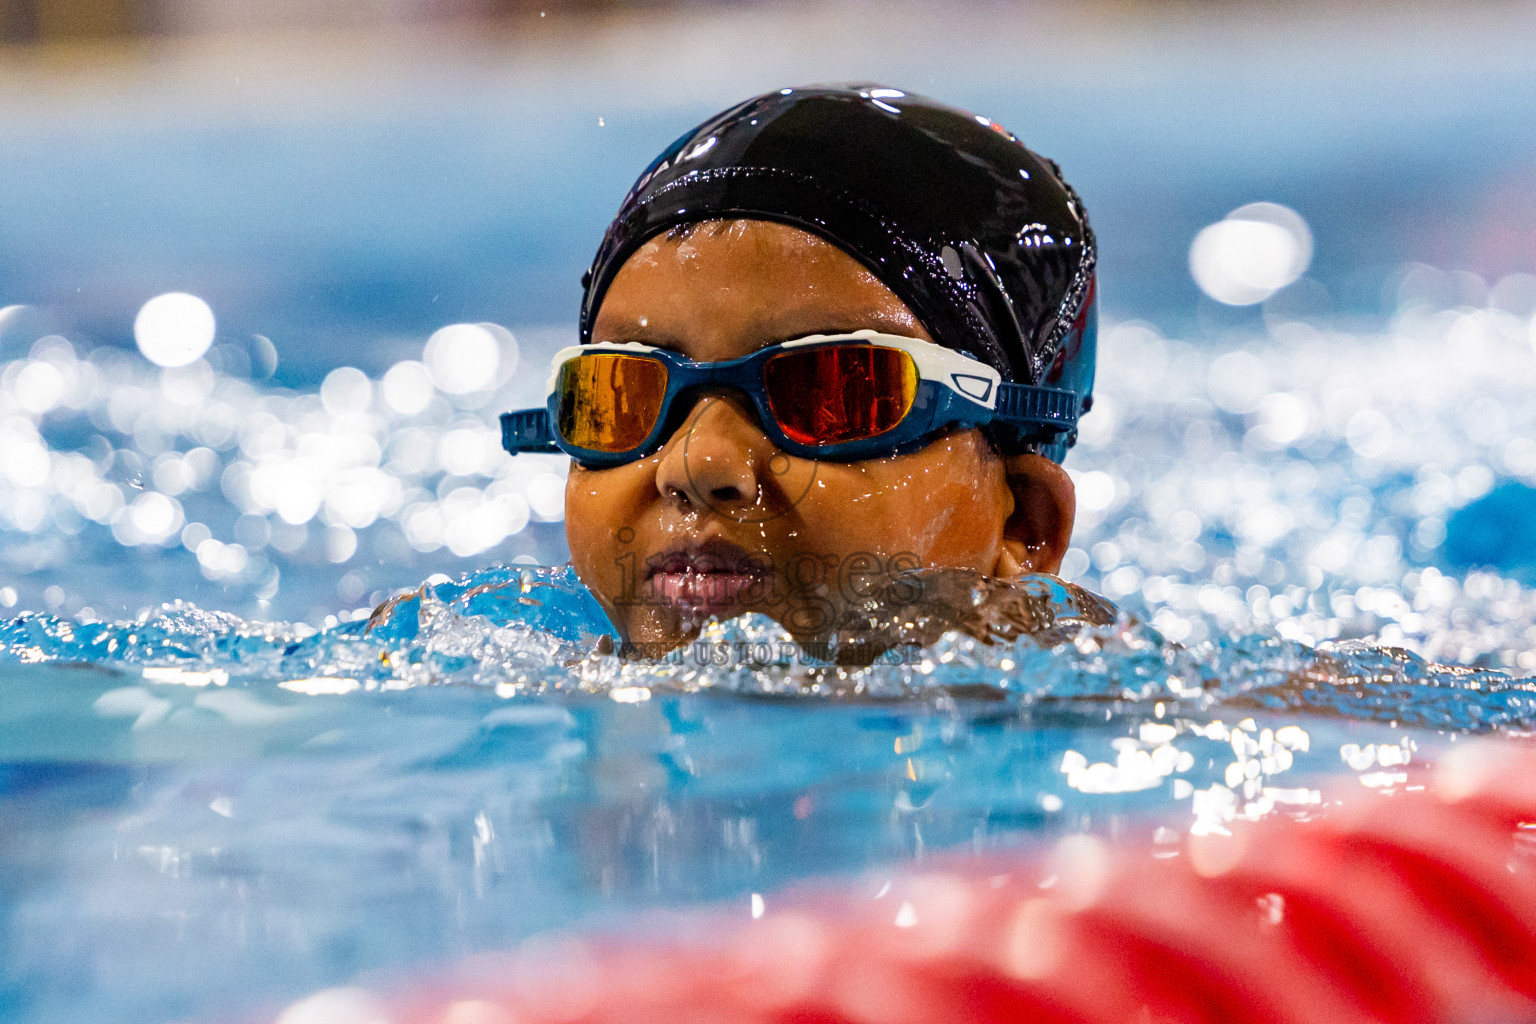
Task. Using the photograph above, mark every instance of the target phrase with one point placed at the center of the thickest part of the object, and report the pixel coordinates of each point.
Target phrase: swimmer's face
(720, 520)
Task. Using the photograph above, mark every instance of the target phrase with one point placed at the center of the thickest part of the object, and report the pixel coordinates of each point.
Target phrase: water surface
(204, 813)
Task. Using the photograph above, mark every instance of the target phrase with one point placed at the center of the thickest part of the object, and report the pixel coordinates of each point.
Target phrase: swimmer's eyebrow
(791, 327)
(635, 334)
(788, 324)
(836, 327)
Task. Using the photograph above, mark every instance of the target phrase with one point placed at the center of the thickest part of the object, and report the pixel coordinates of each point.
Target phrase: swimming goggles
(840, 398)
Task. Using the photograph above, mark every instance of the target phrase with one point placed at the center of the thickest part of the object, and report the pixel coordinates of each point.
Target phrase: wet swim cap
(980, 237)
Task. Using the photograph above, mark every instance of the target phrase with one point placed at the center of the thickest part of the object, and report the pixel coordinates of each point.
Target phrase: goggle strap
(1028, 405)
(527, 431)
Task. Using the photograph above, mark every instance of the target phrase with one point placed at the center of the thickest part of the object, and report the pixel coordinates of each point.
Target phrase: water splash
(527, 631)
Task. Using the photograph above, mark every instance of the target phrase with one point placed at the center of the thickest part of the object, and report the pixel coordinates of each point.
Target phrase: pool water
(206, 815)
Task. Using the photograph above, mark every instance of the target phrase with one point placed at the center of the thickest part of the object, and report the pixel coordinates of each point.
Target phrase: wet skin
(721, 521)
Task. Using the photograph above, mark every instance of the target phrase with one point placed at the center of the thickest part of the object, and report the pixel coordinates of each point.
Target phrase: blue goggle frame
(954, 391)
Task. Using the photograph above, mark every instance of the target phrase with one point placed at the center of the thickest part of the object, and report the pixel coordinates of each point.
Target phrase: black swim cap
(980, 237)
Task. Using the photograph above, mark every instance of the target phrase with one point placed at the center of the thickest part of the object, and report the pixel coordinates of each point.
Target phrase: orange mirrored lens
(609, 401)
(839, 393)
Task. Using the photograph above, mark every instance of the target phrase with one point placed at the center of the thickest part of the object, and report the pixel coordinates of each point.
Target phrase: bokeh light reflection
(464, 358)
(1251, 254)
(174, 329)
(189, 454)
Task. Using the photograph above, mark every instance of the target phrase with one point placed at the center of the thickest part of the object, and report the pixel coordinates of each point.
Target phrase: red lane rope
(1401, 908)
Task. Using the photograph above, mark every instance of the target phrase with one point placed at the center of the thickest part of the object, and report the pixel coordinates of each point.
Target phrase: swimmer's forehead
(721, 289)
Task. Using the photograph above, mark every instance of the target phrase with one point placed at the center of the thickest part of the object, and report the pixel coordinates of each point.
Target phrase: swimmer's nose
(712, 460)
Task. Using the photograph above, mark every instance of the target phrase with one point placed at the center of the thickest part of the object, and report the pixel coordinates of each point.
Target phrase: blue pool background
(273, 809)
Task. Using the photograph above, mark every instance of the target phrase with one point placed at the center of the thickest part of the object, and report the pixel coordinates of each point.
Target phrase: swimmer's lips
(707, 577)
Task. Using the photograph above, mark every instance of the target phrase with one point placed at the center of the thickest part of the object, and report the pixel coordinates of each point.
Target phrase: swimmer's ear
(1037, 532)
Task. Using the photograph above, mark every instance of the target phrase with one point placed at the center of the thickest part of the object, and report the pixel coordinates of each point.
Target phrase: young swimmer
(834, 335)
